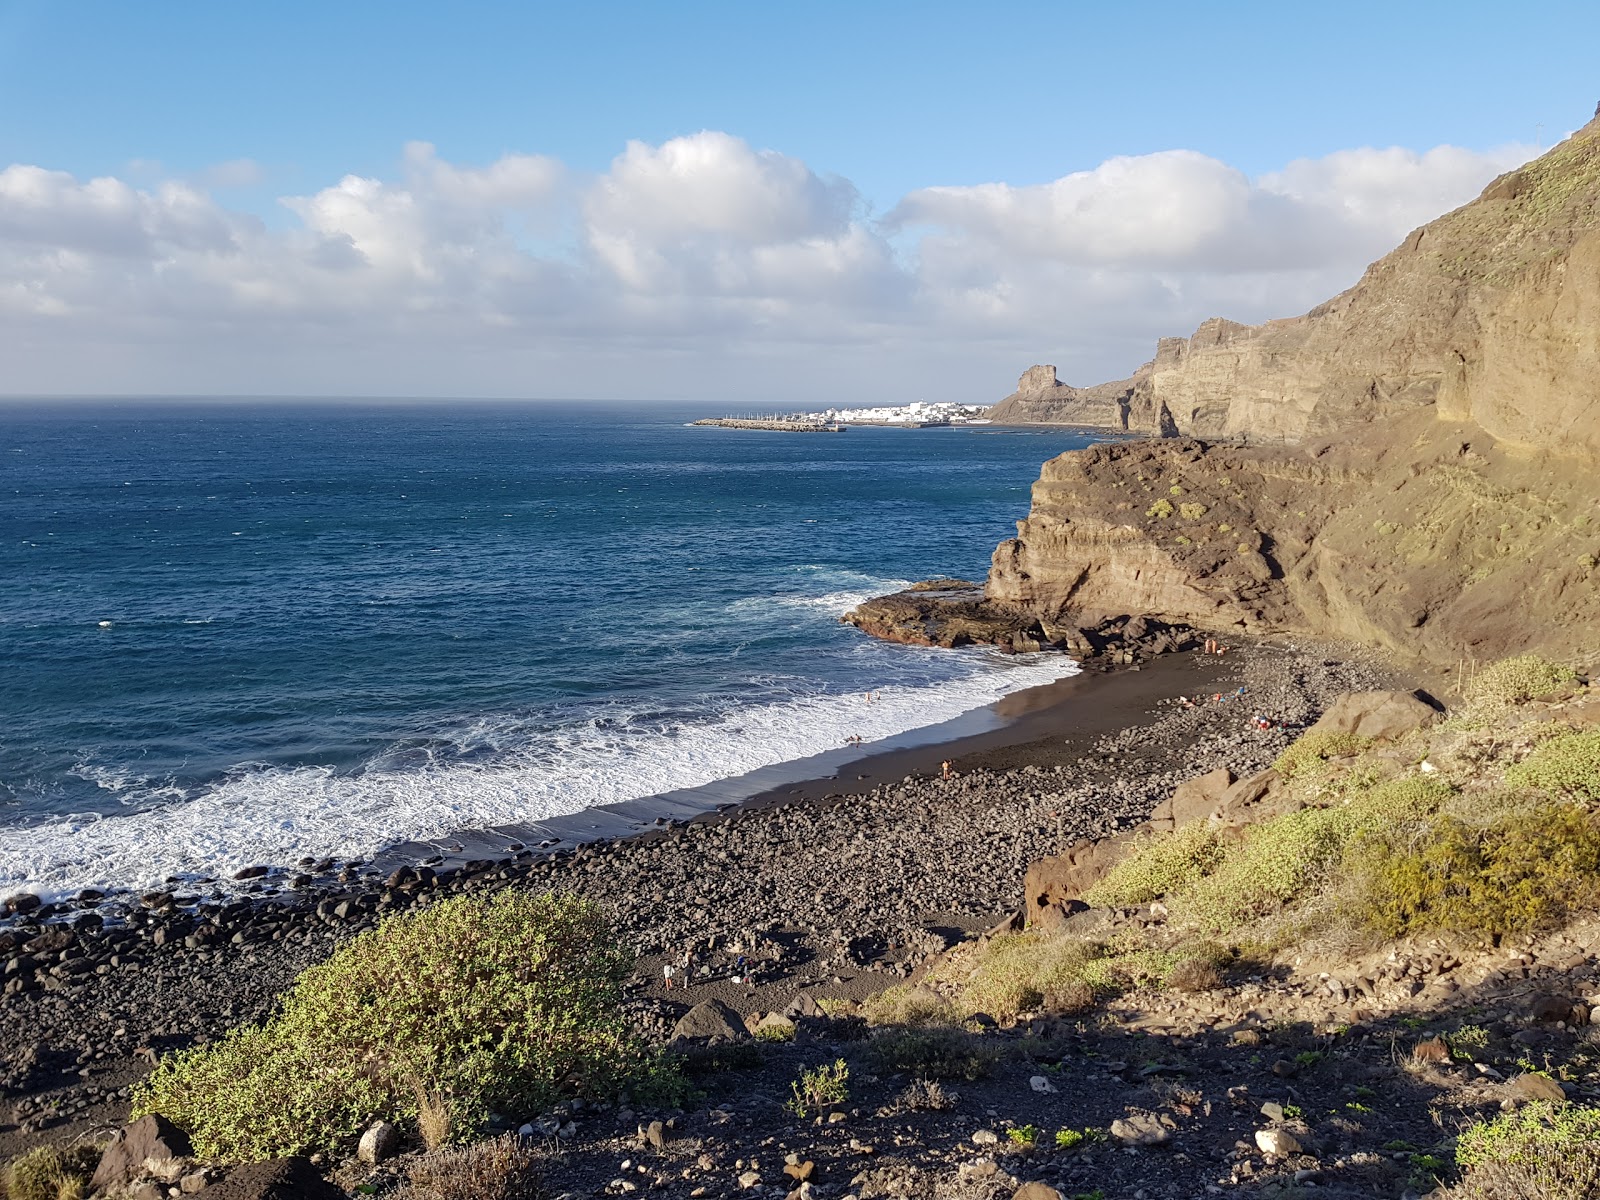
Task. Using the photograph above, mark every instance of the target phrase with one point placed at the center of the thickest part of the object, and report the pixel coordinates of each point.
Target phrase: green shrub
(820, 1089)
(504, 1004)
(1522, 871)
(933, 1053)
(1514, 680)
(1022, 971)
(1277, 861)
(1023, 1135)
(1131, 969)
(1159, 865)
(1161, 509)
(1568, 765)
(1311, 750)
(1551, 1151)
(50, 1173)
(909, 1005)
(505, 1168)
(1192, 510)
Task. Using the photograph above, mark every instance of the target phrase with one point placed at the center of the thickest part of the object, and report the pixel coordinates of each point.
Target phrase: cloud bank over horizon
(693, 268)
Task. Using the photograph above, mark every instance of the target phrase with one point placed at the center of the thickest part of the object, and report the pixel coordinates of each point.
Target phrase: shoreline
(838, 894)
(1045, 724)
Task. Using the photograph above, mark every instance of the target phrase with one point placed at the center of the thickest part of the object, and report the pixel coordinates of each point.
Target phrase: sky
(768, 205)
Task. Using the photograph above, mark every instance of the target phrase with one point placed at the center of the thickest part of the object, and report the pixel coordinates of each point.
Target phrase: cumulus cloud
(687, 248)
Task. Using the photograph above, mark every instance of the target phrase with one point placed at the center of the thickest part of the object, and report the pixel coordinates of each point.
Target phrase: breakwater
(772, 423)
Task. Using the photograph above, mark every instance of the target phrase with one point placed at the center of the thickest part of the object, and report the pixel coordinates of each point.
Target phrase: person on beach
(948, 768)
(667, 973)
(1211, 645)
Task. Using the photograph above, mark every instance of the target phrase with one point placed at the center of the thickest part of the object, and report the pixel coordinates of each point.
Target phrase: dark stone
(21, 903)
(710, 1023)
(255, 872)
(279, 1179)
(148, 1137)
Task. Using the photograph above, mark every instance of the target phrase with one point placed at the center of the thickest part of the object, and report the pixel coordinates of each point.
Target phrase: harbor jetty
(780, 424)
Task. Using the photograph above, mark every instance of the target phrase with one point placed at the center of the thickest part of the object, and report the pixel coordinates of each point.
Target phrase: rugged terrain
(1410, 465)
(1486, 316)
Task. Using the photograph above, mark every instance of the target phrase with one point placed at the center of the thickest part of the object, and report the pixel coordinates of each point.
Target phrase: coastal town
(918, 415)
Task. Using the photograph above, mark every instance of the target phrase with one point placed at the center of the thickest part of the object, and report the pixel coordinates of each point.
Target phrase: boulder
(1257, 798)
(379, 1143)
(1062, 877)
(1382, 716)
(1036, 1191)
(1278, 1142)
(279, 1179)
(709, 1023)
(1194, 799)
(803, 1005)
(1141, 1129)
(776, 1026)
(151, 1137)
(1536, 1087)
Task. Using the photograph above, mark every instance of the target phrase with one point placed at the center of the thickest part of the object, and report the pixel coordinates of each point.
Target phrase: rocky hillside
(1410, 465)
(1042, 399)
(1488, 315)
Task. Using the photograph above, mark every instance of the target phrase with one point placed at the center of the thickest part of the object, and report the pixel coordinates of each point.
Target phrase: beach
(836, 887)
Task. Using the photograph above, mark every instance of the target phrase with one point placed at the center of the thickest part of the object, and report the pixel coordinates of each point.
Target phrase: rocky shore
(837, 897)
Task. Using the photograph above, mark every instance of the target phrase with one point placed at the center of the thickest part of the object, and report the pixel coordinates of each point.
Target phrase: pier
(777, 424)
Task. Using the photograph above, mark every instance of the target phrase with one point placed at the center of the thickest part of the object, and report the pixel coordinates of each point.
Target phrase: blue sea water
(239, 633)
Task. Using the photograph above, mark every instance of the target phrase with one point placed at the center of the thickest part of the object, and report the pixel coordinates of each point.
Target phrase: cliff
(1041, 399)
(1410, 465)
(1487, 315)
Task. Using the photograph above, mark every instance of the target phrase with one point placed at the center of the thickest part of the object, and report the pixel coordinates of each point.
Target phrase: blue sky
(252, 105)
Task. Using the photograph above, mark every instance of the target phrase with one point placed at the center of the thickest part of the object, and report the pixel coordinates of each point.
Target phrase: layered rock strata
(1489, 315)
(1410, 465)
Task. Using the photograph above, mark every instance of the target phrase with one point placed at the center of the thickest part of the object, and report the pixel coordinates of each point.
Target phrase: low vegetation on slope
(1484, 826)
(505, 1005)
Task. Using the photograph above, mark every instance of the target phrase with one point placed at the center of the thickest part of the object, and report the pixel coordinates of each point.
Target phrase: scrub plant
(501, 1004)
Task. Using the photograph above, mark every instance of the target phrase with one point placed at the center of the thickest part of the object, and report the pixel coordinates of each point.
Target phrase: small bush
(933, 1053)
(1551, 1151)
(1192, 511)
(50, 1173)
(1161, 509)
(1023, 1135)
(1158, 866)
(1515, 680)
(818, 1090)
(927, 1095)
(502, 1169)
(1277, 861)
(1194, 975)
(1311, 750)
(1021, 971)
(1568, 765)
(909, 1005)
(1132, 969)
(507, 1003)
(1073, 1139)
(1521, 872)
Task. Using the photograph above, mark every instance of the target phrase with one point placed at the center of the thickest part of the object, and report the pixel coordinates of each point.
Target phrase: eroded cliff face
(1487, 315)
(1432, 539)
(1042, 399)
(1412, 464)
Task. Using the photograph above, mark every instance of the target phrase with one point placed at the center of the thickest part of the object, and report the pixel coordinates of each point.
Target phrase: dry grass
(502, 1169)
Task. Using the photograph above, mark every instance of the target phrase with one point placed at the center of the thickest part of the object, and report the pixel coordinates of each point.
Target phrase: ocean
(241, 633)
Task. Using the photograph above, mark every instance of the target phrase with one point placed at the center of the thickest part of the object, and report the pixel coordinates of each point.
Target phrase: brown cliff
(1410, 465)
(1488, 314)
(1041, 399)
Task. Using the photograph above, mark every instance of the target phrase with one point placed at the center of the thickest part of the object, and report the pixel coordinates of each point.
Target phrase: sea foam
(485, 772)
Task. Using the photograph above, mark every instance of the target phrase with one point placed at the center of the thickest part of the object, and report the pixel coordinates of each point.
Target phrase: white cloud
(701, 250)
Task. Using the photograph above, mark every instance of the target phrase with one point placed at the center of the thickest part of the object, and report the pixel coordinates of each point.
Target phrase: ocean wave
(484, 772)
